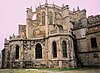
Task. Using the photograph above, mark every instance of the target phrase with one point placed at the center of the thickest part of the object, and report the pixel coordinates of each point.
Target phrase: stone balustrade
(93, 19)
(49, 5)
(60, 32)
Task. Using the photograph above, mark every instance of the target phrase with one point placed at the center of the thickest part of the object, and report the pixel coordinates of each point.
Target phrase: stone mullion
(59, 53)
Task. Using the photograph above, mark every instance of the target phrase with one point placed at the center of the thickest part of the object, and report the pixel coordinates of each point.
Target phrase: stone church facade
(56, 38)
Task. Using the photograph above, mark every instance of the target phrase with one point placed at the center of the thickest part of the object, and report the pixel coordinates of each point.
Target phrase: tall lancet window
(17, 52)
(50, 17)
(38, 51)
(43, 18)
(64, 49)
(39, 18)
(93, 42)
(54, 49)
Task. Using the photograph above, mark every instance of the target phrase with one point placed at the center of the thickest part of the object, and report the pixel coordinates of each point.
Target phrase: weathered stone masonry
(57, 38)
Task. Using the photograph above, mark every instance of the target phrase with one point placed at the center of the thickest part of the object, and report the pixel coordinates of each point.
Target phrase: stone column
(73, 63)
(10, 56)
(47, 52)
(21, 54)
(46, 22)
(32, 51)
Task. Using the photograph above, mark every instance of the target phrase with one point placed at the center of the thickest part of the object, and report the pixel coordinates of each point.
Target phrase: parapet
(93, 20)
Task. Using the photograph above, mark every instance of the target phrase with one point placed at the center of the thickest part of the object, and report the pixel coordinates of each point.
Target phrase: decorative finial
(67, 6)
(10, 37)
(35, 6)
(46, 2)
(53, 2)
(73, 9)
(63, 5)
(78, 8)
(13, 35)
(31, 7)
(5, 40)
(39, 3)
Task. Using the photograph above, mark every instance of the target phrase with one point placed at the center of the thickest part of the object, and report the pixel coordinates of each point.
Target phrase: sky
(13, 13)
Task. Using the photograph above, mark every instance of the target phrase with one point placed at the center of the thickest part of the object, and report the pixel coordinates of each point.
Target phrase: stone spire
(31, 7)
(39, 3)
(35, 6)
(46, 2)
(73, 9)
(53, 2)
(63, 5)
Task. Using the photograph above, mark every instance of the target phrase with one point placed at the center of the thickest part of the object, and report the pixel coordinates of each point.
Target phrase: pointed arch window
(60, 28)
(17, 52)
(50, 17)
(43, 18)
(38, 51)
(93, 43)
(54, 49)
(64, 49)
(95, 56)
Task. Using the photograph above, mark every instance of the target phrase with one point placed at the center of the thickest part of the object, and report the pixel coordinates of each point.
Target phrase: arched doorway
(38, 51)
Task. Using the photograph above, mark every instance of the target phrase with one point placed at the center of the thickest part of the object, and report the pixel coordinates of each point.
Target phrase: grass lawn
(51, 70)
(19, 71)
(60, 69)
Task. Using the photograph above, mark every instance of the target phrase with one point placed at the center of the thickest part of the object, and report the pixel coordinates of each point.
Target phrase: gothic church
(56, 38)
